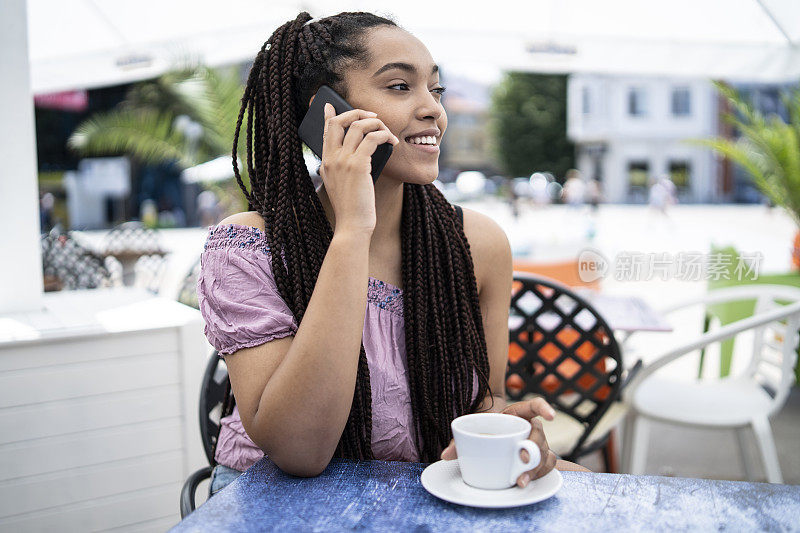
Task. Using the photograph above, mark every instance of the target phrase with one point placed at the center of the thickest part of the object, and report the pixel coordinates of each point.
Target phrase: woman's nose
(429, 107)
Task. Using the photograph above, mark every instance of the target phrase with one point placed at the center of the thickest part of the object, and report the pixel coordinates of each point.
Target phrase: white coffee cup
(488, 447)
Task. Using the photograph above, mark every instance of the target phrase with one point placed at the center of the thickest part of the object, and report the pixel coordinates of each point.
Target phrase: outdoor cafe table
(388, 496)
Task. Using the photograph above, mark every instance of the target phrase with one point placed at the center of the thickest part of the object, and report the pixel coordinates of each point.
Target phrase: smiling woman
(356, 320)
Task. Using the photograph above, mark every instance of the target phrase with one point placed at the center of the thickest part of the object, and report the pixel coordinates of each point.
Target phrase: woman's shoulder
(484, 234)
(246, 218)
(236, 291)
(241, 231)
(488, 245)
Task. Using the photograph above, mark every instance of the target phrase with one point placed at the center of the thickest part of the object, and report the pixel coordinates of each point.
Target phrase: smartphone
(313, 125)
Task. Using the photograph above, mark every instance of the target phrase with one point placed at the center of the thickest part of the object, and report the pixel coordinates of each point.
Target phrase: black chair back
(215, 403)
(187, 294)
(562, 349)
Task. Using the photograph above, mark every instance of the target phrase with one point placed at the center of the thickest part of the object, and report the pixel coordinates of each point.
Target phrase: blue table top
(380, 495)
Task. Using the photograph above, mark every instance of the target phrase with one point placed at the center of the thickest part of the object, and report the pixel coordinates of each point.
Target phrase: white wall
(98, 405)
(20, 278)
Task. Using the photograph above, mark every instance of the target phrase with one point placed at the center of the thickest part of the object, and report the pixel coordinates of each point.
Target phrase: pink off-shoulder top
(242, 308)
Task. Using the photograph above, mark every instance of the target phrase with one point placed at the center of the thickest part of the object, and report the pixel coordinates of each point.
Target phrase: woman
(357, 320)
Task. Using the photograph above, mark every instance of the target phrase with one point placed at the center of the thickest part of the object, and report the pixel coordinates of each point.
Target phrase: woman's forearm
(306, 402)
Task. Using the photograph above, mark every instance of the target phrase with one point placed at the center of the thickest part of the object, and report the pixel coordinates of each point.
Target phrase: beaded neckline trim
(222, 236)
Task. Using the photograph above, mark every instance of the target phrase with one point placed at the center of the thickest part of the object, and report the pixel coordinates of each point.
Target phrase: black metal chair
(138, 250)
(561, 348)
(187, 294)
(216, 402)
(67, 265)
(132, 238)
(149, 272)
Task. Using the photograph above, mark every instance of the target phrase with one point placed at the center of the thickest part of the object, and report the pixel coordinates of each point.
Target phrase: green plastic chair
(727, 259)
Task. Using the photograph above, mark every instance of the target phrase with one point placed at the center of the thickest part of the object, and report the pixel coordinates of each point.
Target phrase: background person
(662, 194)
(574, 188)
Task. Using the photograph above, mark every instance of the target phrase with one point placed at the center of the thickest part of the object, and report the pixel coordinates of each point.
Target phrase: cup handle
(534, 457)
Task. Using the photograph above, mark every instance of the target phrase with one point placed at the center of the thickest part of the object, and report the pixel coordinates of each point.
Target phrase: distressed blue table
(388, 496)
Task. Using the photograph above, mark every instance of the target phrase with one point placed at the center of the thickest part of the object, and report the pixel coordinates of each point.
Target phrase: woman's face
(401, 85)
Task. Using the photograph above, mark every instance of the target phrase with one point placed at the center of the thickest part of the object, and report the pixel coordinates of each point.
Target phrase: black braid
(445, 342)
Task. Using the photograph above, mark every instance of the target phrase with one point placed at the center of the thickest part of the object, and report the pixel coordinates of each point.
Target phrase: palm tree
(150, 124)
(768, 148)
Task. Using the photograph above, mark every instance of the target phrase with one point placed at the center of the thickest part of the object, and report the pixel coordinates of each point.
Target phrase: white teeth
(430, 139)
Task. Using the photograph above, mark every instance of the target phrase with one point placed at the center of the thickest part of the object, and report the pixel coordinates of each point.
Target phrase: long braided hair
(445, 341)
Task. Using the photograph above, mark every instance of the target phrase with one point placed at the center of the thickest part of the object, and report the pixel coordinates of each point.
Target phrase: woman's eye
(439, 90)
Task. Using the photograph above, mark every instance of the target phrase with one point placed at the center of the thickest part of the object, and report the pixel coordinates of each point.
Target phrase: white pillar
(20, 254)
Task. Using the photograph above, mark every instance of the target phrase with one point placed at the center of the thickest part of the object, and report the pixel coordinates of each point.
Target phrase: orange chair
(565, 272)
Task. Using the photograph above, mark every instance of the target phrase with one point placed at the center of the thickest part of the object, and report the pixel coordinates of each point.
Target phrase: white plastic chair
(737, 402)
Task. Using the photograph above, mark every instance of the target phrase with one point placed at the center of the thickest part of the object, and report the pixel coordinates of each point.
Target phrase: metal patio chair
(139, 250)
(215, 404)
(561, 348)
(67, 265)
(187, 293)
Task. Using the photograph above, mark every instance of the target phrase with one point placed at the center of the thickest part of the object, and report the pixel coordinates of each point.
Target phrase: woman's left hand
(529, 410)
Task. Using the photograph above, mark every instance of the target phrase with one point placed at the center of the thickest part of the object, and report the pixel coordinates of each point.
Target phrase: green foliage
(530, 124)
(768, 149)
(51, 179)
(144, 124)
(147, 135)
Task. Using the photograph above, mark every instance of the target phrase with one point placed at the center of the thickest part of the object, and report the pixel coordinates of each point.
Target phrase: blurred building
(628, 130)
(96, 192)
(468, 139)
(92, 193)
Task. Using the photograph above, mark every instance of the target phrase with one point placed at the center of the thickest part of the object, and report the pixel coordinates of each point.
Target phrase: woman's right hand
(347, 163)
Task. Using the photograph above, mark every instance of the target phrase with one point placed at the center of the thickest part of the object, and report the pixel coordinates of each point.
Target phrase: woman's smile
(427, 141)
(427, 148)
(424, 148)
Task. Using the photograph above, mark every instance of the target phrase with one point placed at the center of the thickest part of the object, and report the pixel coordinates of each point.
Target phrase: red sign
(66, 101)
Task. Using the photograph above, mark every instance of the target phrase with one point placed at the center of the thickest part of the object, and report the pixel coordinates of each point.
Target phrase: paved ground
(557, 232)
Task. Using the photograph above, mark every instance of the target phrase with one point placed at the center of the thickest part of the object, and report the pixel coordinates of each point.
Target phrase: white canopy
(215, 170)
(720, 39)
(91, 43)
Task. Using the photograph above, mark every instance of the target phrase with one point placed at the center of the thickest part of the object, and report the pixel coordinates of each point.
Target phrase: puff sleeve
(236, 290)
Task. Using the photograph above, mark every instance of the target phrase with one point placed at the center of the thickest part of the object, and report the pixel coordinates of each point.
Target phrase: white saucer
(443, 480)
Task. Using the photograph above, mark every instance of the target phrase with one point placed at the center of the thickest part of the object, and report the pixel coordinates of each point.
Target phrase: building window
(768, 101)
(681, 102)
(680, 172)
(586, 100)
(637, 102)
(637, 174)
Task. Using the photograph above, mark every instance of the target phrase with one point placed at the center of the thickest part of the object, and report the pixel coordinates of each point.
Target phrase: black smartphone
(313, 125)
